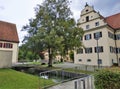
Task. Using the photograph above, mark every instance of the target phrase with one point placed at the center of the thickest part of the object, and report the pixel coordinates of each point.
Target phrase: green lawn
(11, 79)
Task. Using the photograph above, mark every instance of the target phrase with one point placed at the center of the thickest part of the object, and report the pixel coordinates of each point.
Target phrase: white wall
(14, 51)
(104, 41)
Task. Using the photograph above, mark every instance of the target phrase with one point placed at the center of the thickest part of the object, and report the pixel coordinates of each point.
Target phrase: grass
(11, 79)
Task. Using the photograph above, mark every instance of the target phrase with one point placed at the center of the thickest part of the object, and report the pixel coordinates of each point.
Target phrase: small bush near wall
(107, 79)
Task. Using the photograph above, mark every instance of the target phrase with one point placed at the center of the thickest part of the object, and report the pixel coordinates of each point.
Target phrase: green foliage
(71, 54)
(26, 54)
(53, 29)
(10, 79)
(108, 79)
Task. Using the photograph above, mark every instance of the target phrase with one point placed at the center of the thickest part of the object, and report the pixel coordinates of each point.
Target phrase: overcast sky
(19, 11)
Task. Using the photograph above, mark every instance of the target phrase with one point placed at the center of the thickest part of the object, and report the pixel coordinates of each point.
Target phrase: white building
(8, 44)
(107, 29)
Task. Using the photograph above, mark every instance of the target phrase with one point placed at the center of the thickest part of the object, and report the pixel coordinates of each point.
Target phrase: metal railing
(61, 77)
(89, 67)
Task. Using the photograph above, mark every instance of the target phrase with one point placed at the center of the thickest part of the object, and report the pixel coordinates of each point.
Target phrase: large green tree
(53, 29)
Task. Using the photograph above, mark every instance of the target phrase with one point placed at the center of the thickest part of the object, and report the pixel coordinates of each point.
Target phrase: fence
(89, 67)
(67, 80)
(81, 83)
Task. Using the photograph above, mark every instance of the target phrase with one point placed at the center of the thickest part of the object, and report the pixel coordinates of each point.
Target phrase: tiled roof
(8, 32)
(113, 21)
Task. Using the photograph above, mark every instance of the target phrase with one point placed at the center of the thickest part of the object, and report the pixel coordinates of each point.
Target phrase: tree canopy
(53, 29)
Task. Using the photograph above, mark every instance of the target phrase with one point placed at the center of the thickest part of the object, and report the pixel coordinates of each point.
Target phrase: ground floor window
(100, 61)
(80, 60)
(88, 60)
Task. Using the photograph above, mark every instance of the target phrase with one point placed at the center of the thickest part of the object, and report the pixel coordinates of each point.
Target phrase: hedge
(107, 79)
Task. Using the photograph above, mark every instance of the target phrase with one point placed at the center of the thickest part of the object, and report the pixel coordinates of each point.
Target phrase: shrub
(107, 79)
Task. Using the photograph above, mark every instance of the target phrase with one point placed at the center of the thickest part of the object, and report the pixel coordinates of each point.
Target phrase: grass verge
(11, 79)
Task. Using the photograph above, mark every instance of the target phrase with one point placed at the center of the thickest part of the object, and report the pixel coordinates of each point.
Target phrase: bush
(107, 79)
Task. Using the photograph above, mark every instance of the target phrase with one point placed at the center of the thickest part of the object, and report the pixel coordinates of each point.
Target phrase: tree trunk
(50, 57)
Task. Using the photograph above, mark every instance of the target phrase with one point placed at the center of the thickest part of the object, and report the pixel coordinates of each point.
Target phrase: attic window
(96, 23)
(87, 10)
(87, 18)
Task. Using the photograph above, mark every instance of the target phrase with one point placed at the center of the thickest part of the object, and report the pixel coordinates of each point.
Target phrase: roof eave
(10, 41)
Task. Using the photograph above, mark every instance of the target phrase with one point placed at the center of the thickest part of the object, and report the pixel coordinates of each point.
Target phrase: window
(97, 24)
(87, 18)
(80, 60)
(117, 37)
(88, 60)
(79, 51)
(99, 49)
(87, 10)
(97, 35)
(117, 50)
(87, 26)
(88, 50)
(111, 49)
(88, 37)
(110, 35)
(0, 45)
(8, 45)
(100, 61)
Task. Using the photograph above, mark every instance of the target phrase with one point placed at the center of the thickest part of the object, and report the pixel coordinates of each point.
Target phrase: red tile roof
(8, 32)
(113, 21)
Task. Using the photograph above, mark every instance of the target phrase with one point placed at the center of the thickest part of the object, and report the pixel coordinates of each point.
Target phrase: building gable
(90, 18)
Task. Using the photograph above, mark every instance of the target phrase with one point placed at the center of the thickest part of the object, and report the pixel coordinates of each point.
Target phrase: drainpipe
(116, 53)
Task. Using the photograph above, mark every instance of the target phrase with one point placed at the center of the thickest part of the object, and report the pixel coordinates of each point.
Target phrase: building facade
(8, 44)
(101, 41)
